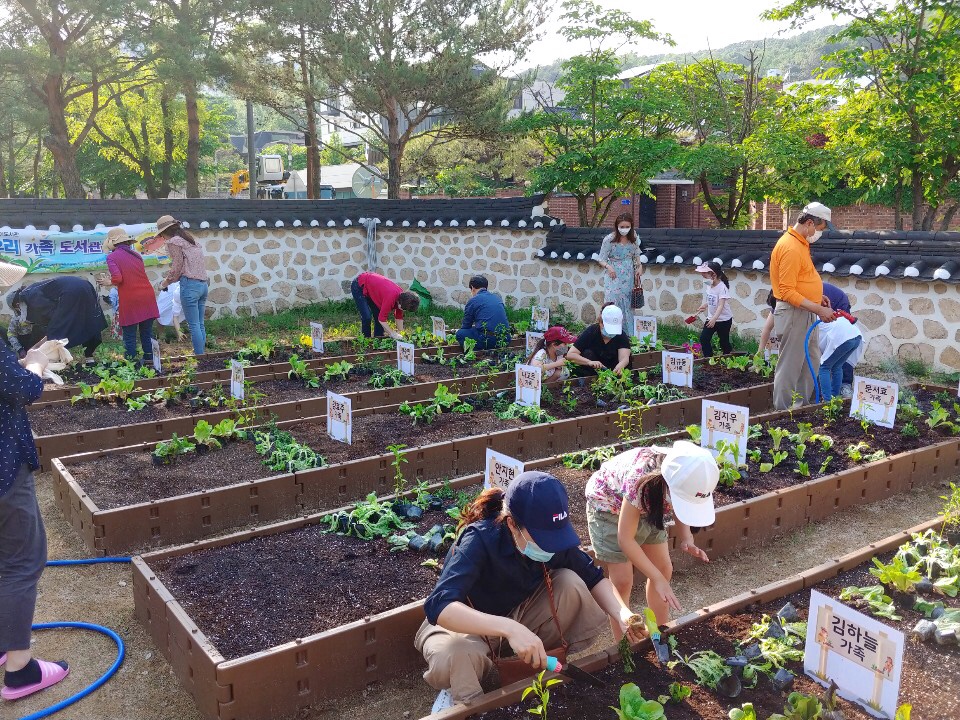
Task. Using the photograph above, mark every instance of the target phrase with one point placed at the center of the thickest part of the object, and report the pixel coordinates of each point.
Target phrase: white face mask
(816, 236)
(623, 231)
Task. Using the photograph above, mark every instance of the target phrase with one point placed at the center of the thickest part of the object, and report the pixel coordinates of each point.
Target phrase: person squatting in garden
(716, 302)
(550, 354)
(840, 301)
(23, 538)
(798, 290)
(602, 345)
(377, 297)
(484, 317)
(515, 581)
(137, 305)
(61, 308)
(188, 267)
(628, 500)
(622, 270)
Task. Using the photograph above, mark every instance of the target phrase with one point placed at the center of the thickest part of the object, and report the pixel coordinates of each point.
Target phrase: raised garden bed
(374, 646)
(233, 495)
(930, 681)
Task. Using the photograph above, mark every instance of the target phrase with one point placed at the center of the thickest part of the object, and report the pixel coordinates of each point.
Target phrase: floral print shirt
(616, 480)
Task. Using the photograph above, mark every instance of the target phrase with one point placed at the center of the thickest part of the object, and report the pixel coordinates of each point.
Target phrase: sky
(694, 25)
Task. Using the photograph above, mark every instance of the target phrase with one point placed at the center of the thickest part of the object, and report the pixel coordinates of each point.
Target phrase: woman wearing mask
(549, 354)
(188, 266)
(620, 259)
(514, 580)
(717, 304)
(602, 345)
(628, 499)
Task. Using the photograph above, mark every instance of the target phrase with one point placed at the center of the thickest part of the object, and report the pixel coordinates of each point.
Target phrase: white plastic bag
(168, 302)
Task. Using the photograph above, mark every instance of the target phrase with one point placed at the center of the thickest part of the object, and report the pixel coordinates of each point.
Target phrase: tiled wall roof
(884, 253)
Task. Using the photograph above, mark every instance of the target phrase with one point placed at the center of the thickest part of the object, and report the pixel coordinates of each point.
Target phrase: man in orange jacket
(798, 290)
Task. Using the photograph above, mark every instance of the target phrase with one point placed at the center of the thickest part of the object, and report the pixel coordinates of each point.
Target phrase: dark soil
(930, 680)
(253, 595)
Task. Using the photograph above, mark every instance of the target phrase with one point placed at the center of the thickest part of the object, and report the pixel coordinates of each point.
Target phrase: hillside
(797, 56)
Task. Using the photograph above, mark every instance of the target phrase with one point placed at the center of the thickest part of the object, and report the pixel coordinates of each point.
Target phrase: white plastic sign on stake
(439, 327)
(645, 328)
(155, 347)
(533, 338)
(677, 368)
(721, 421)
(863, 656)
(236, 379)
(875, 400)
(316, 336)
(529, 384)
(772, 348)
(501, 470)
(405, 355)
(339, 418)
(539, 318)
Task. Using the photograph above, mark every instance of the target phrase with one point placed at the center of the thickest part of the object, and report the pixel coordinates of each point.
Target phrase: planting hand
(527, 646)
(663, 590)
(632, 625)
(35, 361)
(688, 547)
(611, 272)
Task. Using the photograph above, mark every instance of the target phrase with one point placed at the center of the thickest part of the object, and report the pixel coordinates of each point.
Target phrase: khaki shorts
(603, 535)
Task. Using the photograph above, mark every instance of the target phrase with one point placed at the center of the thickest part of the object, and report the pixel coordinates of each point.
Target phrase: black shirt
(485, 568)
(591, 345)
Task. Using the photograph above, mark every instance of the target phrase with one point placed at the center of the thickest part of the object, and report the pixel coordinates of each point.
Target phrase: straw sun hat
(116, 236)
(165, 221)
(11, 274)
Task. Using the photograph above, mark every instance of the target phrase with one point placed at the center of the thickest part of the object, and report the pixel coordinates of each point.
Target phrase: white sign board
(677, 368)
(528, 381)
(155, 347)
(405, 354)
(236, 379)
(533, 338)
(875, 400)
(645, 328)
(772, 348)
(316, 336)
(539, 318)
(339, 418)
(501, 470)
(721, 421)
(862, 655)
(439, 327)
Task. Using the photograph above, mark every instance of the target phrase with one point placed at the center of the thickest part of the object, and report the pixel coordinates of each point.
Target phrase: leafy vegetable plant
(299, 368)
(879, 603)
(337, 371)
(203, 434)
(708, 667)
(676, 693)
(540, 689)
(633, 706)
(896, 575)
(588, 459)
(800, 707)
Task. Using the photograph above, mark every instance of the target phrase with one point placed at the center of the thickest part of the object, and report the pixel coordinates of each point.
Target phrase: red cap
(559, 333)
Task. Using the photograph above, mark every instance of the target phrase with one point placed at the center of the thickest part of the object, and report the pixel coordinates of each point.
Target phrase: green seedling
(228, 429)
(803, 469)
(694, 431)
(388, 378)
(138, 403)
(755, 455)
(399, 457)
(708, 667)
(261, 349)
(529, 413)
(799, 450)
(540, 689)
(168, 450)
(203, 434)
(800, 707)
(299, 368)
(910, 430)
(744, 712)
(832, 410)
(588, 459)
(777, 435)
(626, 655)
(337, 371)
(856, 452)
(676, 693)
(825, 463)
(896, 575)
(633, 706)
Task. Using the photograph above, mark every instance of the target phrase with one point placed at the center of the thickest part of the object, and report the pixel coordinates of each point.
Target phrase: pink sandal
(3, 659)
(50, 674)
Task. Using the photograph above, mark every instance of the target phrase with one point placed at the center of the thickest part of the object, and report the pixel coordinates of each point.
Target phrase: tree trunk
(394, 153)
(3, 177)
(193, 139)
(310, 139)
(948, 216)
(12, 165)
(168, 146)
(582, 210)
(64, 154)
(36, 165)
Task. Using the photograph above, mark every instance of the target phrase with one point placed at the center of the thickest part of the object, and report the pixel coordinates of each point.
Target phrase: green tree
(611, 135)
(336, 153)
(908, 50)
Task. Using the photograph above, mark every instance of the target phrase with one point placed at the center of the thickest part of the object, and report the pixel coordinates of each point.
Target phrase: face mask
(562, 350)
(707, 281)
(603, 331)
(816, 236)
(623, 231)
(535, 553)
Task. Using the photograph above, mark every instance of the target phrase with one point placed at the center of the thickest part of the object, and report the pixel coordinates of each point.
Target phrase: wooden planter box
(281, 679)
(199, 515)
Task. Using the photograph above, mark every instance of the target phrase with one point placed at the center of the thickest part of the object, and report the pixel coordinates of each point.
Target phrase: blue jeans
(485, 341)
(193, 299)
(831, 369)
(368, 311)
(145, 331)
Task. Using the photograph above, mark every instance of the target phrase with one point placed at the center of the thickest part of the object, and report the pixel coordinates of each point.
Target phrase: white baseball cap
(818, 210)
(691, 475)
(612, 317)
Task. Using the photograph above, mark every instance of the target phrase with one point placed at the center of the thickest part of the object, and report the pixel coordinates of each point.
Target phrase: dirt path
(145, 687)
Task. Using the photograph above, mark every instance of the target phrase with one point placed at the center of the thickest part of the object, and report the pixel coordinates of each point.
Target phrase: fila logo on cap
(560, 517)
(703, 495)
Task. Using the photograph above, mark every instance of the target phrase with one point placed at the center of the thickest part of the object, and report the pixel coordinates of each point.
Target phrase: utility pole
(251, 153)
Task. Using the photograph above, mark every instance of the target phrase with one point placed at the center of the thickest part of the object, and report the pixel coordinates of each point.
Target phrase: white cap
(612, 317)
(691, 475)
(817, 210)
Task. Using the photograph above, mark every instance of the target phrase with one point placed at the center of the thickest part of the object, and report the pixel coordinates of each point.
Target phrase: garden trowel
(573, 672)
(660, 646)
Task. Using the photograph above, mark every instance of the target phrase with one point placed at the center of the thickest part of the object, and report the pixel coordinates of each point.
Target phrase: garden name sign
(236, 379)
(155, 346)
(529, 385)
(339, 418)
(874, 400)
(439, 326)
(539, 318)
(532, 339)
(405, 354)
(721, 421)
(501, 470)
(645, 328)
(316, 336)
(864, 657)
(677, 368)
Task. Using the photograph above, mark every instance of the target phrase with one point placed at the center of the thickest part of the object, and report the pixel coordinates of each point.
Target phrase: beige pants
(792, 375)
(460, 662)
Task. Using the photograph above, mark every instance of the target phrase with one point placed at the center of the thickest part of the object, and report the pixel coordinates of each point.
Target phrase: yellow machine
(271, 179)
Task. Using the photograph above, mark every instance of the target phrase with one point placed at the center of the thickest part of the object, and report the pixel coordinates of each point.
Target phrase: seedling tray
(200, 514)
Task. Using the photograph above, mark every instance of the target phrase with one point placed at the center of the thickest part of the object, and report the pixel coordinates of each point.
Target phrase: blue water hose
(806, 350)
(121, 649)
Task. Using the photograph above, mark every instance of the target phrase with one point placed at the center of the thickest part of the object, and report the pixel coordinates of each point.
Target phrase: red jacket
(384, 292)
(137, 299)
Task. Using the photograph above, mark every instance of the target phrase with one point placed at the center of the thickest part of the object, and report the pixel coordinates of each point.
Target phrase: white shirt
(713, 296)
(541, 358)
(833, 335)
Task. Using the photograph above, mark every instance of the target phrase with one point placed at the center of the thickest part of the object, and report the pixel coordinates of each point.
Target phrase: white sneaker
(846, 391)
(444, 700)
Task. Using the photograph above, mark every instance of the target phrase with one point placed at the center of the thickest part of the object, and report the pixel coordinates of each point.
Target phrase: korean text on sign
(677, 368)
(501, 469)
(528, 380)
(405, 355)
(874, 400)
(339, 418)
(316, 336)
(236, 379)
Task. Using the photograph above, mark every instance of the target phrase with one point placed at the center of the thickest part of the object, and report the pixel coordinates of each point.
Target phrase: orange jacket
(792, 274)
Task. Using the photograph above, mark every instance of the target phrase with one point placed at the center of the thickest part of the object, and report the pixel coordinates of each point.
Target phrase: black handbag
(636, 298)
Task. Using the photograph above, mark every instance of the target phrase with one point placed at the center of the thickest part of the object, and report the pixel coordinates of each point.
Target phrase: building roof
(848, 253)
(201, 214)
